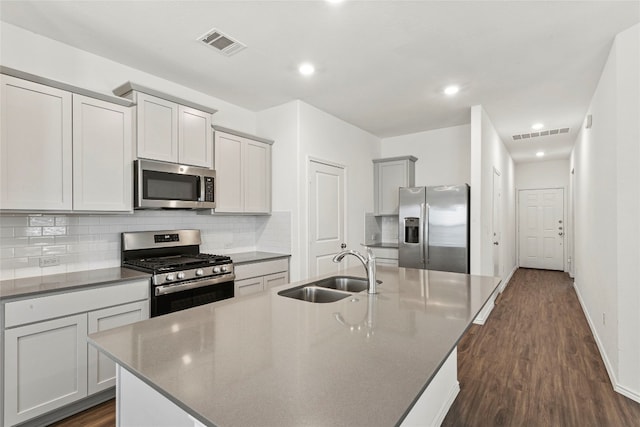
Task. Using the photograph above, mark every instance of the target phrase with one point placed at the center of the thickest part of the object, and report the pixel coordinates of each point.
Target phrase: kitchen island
(269, 360)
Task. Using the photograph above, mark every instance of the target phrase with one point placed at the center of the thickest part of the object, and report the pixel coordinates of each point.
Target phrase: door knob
(560, 234)
(496, 243)
(343, 246)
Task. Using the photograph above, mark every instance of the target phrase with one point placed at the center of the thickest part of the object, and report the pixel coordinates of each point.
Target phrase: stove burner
(176, 262)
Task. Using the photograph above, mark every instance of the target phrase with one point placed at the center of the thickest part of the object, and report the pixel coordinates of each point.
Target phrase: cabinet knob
(343, 246)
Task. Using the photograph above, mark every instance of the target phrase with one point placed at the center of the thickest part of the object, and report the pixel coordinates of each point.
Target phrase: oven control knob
(170, 277)
(216, 269)
(225, 268)
(181, 275)
(199, 272)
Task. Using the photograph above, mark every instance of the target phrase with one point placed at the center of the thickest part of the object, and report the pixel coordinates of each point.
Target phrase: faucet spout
(369, 263)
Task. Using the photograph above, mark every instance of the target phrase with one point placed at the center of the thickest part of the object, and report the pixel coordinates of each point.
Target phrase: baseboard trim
(444, 409)
(482, 317)
(631, 394)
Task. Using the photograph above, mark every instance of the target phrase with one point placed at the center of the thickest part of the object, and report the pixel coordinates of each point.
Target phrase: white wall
(542, 174)
(306, 132)
(547, 174)
(489, 152)
(444, 155)
(607, 207)
(32, 53)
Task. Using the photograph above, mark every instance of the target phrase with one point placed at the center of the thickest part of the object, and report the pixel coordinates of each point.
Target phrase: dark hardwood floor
(534, 363)
(103, 415)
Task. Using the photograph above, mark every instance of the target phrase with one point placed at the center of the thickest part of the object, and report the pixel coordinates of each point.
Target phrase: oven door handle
(178, 287)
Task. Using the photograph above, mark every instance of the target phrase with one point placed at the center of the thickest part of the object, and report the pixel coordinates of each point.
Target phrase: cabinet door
(248, 286)
(102, 173)
(45, 367)
(276, 279)
(35, 146)
(101, 369)
(257, 177)
(390, 176)
(195, 138)
(157, 128)
(229, 173)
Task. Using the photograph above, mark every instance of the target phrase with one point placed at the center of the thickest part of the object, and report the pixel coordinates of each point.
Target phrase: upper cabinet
(389, 175)
(243, 172)
(170, 129)
(63, 151)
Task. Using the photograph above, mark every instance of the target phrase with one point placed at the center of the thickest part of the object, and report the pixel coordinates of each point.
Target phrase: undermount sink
(343, 283)
(330, 289)
(312, 293)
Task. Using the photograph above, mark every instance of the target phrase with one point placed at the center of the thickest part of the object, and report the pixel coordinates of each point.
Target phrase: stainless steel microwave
(160, 185)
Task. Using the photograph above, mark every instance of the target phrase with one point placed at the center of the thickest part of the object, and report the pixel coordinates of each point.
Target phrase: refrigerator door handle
(423, 209)
(426, 231)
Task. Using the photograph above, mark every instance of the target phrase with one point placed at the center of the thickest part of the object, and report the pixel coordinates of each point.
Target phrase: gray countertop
(249, 257)
(31, 286)
(383, 245)
(268, 360)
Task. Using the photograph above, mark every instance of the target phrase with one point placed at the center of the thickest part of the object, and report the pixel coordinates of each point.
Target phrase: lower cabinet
(101, 370)
(260, 276)
(47, 361)
(386, 256)
(45, 367)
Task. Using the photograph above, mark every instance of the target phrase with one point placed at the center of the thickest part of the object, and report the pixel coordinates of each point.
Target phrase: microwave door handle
(201, 188)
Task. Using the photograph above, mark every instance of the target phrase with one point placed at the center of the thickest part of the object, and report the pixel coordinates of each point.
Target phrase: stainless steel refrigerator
(433, 228)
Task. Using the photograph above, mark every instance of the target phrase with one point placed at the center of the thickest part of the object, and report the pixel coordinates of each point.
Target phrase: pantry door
(326, 216)
(541, 228)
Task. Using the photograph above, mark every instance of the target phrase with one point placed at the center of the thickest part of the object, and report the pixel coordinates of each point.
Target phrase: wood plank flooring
(534, 363)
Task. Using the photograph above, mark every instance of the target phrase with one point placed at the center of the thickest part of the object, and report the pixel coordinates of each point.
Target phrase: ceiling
(380, 65)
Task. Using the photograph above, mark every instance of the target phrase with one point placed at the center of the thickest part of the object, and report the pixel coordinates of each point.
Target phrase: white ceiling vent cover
(521, 136)
(221, 42)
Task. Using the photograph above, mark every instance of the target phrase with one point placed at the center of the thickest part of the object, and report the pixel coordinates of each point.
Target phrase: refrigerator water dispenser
(412, 230)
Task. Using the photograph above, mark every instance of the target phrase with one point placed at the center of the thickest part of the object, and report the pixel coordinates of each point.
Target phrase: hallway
(535, 363)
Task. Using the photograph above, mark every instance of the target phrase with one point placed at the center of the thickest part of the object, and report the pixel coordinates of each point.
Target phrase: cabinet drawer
(248, 286)
(49, 307)
(245, 271)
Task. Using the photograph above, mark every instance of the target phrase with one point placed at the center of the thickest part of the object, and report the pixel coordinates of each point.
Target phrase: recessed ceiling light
(334, 1)
(537, 126)
(540, 154)
(306, 69)
(451, 90)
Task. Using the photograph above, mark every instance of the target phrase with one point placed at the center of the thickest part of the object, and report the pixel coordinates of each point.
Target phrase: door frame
(497, 178)
(564, 221)
(313, 159)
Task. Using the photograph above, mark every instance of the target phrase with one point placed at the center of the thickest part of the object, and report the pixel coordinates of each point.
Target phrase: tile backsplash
(84, 242)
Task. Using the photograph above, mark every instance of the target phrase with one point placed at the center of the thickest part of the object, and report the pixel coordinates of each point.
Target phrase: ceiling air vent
(521, 136)
(222, 42)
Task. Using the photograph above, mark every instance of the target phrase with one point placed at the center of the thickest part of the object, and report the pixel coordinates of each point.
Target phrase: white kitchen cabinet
(389, 175)
(45, 367)
(195, 140)
(102, 156)
(35, 146)
(243, 172)
(47, 361)
(170, 129)
(157, 124)
(386, 256)
(63, 151)
(260, 276)
(101, 371)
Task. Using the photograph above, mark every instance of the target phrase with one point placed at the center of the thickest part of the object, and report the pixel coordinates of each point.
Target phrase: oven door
(166, 299)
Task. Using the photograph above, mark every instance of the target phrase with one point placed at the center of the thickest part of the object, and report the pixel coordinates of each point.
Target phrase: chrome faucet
(369, 264)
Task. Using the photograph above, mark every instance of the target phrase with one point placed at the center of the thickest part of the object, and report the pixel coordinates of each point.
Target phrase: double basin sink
(326, 290)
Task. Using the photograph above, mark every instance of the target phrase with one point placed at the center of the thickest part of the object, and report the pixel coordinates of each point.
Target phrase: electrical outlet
(49, 261)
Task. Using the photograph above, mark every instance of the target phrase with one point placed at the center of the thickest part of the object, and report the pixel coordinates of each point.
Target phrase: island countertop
(269, 360)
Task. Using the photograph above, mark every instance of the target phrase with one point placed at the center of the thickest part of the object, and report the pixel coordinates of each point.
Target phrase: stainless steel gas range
(182, 277)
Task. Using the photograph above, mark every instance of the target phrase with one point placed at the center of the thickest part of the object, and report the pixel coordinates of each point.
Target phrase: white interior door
(497, 234)
(541, 228)
(326, 216)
